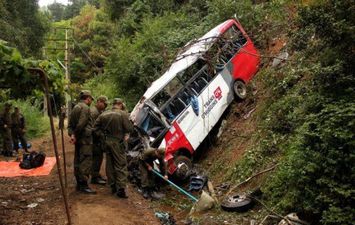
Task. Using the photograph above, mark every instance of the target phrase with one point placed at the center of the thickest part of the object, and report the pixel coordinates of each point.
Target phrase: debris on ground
(280, 58)
(221, 128)
(246, 116)
(197, 182)
(32, 205)
(165, 218)
(40, 200)
(292, 219)
(223, 187)
(204, 203)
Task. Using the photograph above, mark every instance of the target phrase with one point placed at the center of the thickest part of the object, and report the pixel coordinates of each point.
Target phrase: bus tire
(237, 203)
(184, 166)
(240, 89)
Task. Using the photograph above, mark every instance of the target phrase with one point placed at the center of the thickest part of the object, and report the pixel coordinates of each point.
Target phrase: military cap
(85, 93)
(117, 101)
(102, 98)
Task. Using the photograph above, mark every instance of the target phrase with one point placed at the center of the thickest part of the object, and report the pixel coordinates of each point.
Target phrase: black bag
(32, 160)
(26, 161)
(38, 159)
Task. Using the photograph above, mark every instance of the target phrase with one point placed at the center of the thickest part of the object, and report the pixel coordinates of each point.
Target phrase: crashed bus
(181, 107)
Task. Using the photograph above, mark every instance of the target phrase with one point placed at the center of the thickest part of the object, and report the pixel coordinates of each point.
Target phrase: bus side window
(168, 112)
(179, 106)
(185, 97)
(201, 82)
(206, 75)
(195, 87)
(161, 98)
(238, 37)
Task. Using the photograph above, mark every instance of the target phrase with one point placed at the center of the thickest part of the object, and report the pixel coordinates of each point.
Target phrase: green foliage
(37, 124)
(313, 106)
(92, 34)
(102, 85)
(16, 78)
(23, 25)
(57, 11)
(135, 63)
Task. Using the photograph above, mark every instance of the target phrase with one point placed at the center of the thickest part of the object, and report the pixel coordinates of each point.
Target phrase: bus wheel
(184, 166)
(240, 89)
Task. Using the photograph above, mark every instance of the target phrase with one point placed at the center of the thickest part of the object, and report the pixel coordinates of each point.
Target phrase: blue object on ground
(28, 145)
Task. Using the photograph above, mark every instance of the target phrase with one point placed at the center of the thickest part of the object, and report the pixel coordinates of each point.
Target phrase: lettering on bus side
(174, 138)
(212, 102)
(183, 116)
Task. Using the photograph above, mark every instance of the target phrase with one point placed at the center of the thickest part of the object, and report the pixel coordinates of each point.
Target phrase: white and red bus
(181, 107)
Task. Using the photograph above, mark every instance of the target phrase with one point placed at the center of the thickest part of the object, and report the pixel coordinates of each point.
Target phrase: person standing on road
(114, 126)
(18, 130)
(98, 151)
(80, 132)
(5, 129)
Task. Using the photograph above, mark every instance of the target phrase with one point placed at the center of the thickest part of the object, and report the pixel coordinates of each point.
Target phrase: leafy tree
(116, 8)
(18, 81)
(23, 26)
(57, 11)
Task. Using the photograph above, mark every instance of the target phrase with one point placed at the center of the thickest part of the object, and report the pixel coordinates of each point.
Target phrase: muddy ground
(17, 195)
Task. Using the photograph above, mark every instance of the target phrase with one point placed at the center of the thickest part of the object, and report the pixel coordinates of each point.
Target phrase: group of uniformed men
(12, 130)
(94, 131)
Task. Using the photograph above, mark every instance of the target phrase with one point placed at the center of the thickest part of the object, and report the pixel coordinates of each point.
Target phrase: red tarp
(12, 169)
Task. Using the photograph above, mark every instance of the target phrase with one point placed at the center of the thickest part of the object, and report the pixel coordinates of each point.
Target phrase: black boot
(121, 193)
(98, 180)
(113, 189)
(146, 193)
(84, 188)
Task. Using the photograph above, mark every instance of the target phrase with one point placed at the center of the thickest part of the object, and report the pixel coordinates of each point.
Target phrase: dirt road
(16, 194)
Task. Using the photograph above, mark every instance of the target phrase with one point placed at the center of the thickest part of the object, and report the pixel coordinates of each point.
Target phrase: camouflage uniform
(17, 130)
(148, 157)
(112, 126)
(98, 151)
(80, 124)
(5, 129)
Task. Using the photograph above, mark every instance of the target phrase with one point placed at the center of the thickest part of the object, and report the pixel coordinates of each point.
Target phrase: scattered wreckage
(180, 108)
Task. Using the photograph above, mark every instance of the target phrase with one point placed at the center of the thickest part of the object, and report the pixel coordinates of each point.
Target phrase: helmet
(102, 98)
(85, 93)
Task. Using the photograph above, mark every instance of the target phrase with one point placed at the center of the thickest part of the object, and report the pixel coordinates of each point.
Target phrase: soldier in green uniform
(147, 158)
(113, 127)
(79, 130)
(5, 129)
(18, 130)
(98, 151)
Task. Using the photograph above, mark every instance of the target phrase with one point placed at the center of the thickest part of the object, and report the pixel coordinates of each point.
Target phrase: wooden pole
(50, 114)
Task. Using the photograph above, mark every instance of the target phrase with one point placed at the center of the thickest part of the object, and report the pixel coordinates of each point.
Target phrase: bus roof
(186, 59)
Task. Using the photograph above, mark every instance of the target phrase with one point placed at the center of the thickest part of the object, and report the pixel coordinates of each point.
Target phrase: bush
(36, 123)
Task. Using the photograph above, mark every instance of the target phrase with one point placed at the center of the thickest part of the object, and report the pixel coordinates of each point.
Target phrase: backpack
(32, 160)
(26, 161)
(38, 159)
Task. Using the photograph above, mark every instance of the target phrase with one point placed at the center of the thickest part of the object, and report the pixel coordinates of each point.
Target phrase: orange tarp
(12, 169)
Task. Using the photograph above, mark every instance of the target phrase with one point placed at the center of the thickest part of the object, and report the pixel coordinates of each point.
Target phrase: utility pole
(67, 74)
(69, 33)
